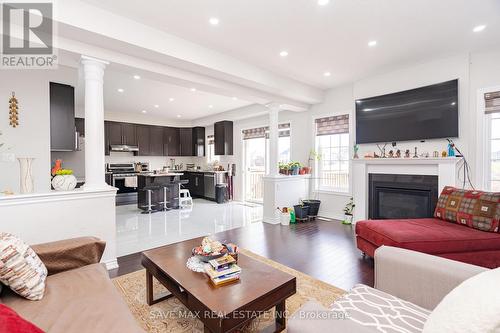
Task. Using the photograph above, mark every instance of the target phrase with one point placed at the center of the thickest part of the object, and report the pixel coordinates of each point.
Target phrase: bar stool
(185, 199)
(149, 207)
(165, 202)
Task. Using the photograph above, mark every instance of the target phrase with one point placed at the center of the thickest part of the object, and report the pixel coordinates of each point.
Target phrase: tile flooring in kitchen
(138, 232)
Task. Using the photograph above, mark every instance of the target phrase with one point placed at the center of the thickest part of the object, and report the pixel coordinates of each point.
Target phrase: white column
(274, 110)
(94, 123)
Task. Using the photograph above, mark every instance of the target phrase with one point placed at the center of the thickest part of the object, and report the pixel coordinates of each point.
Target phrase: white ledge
(82, 193)
(411, 160)
(283, 178)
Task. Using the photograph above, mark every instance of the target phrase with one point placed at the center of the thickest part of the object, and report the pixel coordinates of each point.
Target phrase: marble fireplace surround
(445, 168)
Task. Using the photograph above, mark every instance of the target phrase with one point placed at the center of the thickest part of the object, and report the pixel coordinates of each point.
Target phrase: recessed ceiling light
(120, 90)
(327, 74)
(144, 111)
(137, 77)
(284, 53)
(214, 21)
(171, 99)
(235, 98)
(211, 106)
(479, 28)
(156, 106)
(193, 89)
(372, 43)
(178, 116)
(323, 2)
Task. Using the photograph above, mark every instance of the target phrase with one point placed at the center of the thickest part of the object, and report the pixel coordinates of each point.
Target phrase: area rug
(171, 316)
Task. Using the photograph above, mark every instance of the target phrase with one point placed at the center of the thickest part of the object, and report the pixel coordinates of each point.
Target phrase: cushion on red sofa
(429, 235)
(475, 209)
(11, 322)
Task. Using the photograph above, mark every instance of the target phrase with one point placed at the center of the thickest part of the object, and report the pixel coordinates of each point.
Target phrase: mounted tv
(418, 114)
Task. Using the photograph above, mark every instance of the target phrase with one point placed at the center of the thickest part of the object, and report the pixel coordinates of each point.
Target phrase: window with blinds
(492, 110)
(263, 132)
(332, 144)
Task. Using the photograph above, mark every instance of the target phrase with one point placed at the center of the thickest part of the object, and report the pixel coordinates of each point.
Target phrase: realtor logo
(27, 36)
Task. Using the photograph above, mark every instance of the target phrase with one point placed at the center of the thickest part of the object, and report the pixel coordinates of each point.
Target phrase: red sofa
(465, 228)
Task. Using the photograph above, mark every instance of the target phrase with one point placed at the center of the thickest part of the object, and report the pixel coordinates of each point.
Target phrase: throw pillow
(11, 322)
(20, 268)
(471, 307)
(475, 209)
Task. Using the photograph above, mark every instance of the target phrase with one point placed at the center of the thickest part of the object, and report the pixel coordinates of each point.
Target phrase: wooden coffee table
(224, 308)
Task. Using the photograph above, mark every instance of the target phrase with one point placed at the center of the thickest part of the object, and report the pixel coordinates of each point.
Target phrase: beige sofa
(408, 286)
(79, 295)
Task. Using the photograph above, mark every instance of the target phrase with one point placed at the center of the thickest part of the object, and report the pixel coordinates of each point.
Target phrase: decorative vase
(64, 182)
(347, 219)
(26, 175)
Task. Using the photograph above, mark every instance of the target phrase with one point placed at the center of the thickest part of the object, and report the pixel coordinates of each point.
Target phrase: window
(332, 145)
(492, 110)
(211, 149)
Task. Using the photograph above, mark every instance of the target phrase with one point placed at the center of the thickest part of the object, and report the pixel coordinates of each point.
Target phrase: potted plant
(295, 168)
(301, 211)
(348, 212)
(283, 169)
(64, 180)
(313, 207)
(313, 156)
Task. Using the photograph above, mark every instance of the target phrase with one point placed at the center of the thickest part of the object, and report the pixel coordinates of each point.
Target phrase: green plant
(294, 165)
(349, 207)
(314, 155)
(64, 172)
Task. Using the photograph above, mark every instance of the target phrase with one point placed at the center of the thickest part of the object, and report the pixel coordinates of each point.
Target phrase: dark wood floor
(323, 249)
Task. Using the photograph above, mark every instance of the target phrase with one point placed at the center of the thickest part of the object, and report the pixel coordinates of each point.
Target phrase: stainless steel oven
(124, 178)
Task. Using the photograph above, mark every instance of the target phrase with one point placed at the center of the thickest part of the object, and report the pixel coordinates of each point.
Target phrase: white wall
(32, 137)
(474, 71)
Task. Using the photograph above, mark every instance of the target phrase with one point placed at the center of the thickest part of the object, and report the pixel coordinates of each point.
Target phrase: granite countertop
(205, 171)
(170, 174)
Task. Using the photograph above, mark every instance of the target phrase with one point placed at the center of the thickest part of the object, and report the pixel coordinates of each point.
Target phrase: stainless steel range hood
(124, 148)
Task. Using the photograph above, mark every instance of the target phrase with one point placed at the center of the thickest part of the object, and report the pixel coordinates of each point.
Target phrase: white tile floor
(138, 232)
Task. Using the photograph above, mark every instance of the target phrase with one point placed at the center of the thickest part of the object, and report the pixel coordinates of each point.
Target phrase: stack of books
(223, 270)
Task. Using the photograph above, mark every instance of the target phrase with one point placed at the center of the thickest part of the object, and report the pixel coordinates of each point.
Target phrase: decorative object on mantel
(7, 192)
(356, 148)
(26, 175)
(382, 150)
(348, 212)
(13, 111)
(64, 180)
(444, 153)
(435, 154)
(398, 153)
(57, 167)
(451, 148)
(391, 153)
(416, 153)
(407, 153)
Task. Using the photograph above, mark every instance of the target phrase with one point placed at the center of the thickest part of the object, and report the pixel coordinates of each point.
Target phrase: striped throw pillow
(20, 268)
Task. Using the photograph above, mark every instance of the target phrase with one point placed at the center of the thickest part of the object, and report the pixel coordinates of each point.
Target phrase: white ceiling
(145, 93)
(329, 38)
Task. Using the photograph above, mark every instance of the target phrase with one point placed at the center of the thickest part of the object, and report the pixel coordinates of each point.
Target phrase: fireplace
(393, 196)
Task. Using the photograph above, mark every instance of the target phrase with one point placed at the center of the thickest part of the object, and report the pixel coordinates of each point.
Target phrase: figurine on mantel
(356, 148)
(416, 153)
(391, 153)
(398, 153)
(407, 153)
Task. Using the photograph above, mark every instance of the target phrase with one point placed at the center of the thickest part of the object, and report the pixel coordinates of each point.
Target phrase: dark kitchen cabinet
(106, 138)
(156, 141)
(62, 117)
(196, 183)
(199, 141)
(171, 141)
(122, 133)
(223, 137)
(186, 141)
(144, 140)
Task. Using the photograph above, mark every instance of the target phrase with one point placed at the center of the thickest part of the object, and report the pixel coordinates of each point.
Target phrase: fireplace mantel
(445, 168)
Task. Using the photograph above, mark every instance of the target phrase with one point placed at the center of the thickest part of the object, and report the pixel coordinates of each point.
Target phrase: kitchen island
(159, 183)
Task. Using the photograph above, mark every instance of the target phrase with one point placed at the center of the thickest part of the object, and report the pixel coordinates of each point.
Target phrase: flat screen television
(418, 114)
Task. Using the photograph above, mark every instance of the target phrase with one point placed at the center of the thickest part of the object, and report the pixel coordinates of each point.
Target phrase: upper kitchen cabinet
(156, 143)
(62, 117)
(199, 141)
(186, 140)
(122, 133)
(144, 140)
(171, 141)
(223, 137)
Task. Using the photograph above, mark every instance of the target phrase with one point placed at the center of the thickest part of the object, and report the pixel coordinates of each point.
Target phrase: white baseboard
(111, 264)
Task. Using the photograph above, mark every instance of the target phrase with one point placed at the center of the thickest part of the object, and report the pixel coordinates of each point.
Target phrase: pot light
(171, 99)
(284, 53)
(137, 77)
(235, 98)
(178, 116)
(323, 2)
(210, 106)
(479, 28)
(214, 21)
(120, 90)
(372, 43)
(156, 106)
(193, 89)
(327, 74)
(144, 111)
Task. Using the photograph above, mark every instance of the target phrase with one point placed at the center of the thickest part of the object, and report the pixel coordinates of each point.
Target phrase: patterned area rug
(171, 316)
